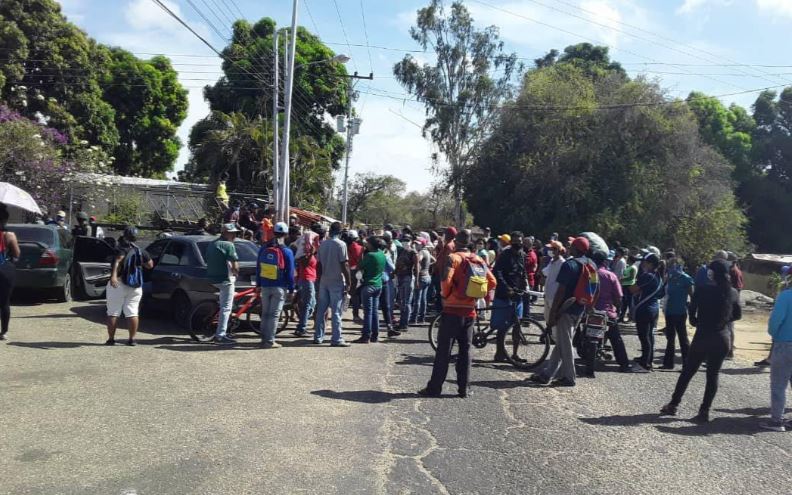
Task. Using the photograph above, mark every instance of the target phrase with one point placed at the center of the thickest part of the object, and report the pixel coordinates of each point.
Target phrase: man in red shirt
(456, 324)
(531, 267)
(355, 253)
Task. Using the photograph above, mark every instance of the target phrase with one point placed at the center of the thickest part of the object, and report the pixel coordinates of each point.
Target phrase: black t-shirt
(125, 249)
(706, 307)
(510, 272)
(81, 230)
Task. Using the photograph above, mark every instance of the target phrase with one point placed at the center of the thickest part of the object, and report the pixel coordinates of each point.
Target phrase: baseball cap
(93, 218)
(230, 227)
(581, 244)
(505, 238)
(281, 228)
(555, 245)
(452, 231)
(130, 233)
(82, 216)
(353, 234)
(61, 213)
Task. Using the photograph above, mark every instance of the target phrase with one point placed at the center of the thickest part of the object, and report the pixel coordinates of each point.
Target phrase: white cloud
(775, 7)
(690, 6)
(145, 14)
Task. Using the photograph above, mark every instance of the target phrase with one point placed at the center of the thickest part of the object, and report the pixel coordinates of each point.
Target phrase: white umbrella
(11, 195)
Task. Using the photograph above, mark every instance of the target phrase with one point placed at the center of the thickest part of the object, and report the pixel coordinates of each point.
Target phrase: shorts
(503, 313)
(123, 298)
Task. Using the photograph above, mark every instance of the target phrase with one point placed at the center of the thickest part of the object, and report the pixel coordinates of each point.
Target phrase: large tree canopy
(574, 152)
(235, 140)
(53, 72)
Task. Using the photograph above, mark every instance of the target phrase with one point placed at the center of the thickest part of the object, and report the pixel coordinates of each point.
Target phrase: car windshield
(33, 234)
(246, 250)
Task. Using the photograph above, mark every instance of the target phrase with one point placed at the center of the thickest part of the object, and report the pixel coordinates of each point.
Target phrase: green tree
(573, 152)
(374, 198)
(150, 104)
(460, 89)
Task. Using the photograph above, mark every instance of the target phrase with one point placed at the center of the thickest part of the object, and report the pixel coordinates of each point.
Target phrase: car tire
(64, 293)
(182, 309)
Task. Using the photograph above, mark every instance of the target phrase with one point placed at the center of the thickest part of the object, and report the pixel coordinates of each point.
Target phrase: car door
(93, 259)
(168, 273)
(65, 254)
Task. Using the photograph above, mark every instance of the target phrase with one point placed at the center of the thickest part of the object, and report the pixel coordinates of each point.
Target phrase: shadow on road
(635, 420)
(55, 345)
(747, 411)
(724, 425)
(365, 396)
(754, 370)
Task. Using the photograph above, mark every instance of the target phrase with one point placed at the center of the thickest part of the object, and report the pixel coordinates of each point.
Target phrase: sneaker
(357, 320)
(300, 334)
(463, 394)
(110, 342)
(317, 341)
(361, 340)
(563, 382)
(270, 345)
(340, 344)
(701, 418)
(668, 410)
(393, 333)
(2, 336)
(773, 425)
(130, 343)
(500, 358)
(536, 378)
(224, 340)
(425, 392)
(762, 364)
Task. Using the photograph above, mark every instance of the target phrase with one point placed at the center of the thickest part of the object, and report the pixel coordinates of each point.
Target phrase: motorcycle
(589, 339)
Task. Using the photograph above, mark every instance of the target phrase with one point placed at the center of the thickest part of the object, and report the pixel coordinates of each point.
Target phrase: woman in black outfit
(9, 251)
(712, 308)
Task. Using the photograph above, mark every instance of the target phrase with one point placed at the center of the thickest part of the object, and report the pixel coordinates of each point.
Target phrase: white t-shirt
(551, 274)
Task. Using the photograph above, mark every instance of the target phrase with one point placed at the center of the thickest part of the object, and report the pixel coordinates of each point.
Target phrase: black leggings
(709, 347)
(7, 279)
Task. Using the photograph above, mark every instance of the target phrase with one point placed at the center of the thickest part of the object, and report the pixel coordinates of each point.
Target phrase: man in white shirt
(550, 273)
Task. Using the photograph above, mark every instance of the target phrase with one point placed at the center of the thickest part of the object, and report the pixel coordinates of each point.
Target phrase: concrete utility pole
(276, 186)
(283, 213)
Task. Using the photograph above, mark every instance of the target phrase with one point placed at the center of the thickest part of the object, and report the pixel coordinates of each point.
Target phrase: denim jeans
(418, 312)
(330, 296)
(502, 320)
(307, 290)
(370, 297)
(226, 301)
(645, 326)
(385, 304)
(272, 299)
(406, 287)
(780, 378)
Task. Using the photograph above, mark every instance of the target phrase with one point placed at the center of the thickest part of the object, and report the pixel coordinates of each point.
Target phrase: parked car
(53, 261)
(178, 281)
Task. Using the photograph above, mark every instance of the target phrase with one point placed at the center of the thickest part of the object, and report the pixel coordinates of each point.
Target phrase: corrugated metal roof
(776, 258)
(120, 180)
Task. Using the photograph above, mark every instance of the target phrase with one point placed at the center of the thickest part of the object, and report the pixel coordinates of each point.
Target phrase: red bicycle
(246, 306)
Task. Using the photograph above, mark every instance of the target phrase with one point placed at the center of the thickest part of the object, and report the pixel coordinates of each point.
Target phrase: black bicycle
(527, 344)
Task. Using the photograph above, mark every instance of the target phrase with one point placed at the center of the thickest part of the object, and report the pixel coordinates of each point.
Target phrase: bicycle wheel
(434, 329)
(525, 347)
(203, 321)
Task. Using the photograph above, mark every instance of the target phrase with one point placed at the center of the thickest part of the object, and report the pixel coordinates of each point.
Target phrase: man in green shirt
(222, 268)
(627, 280)
(371, 266)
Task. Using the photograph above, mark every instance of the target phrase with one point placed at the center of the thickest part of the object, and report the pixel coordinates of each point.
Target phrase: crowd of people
(422, 273)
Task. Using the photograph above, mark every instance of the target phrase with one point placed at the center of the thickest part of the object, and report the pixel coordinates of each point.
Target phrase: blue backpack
(131, 269)
(272, 263)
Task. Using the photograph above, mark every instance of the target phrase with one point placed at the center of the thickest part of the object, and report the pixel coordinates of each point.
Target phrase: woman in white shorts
(125, 288)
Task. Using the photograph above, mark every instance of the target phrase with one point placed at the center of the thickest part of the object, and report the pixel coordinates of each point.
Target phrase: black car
(178, 281)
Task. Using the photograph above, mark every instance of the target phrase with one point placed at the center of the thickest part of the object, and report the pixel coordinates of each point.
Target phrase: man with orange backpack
(577, 289)
(466, 279)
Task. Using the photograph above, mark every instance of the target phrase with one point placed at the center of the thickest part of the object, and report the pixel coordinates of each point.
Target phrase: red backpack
(470, 278)
(587, 288)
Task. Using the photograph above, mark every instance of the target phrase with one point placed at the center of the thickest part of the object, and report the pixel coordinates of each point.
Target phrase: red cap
(452, 231)
(93, 218)
(581, 244)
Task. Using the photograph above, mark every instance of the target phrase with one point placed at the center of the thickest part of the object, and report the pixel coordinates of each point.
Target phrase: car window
(43, 235)
(155, 249)
(91, 250)
(66, 239)
(246, 250)
(172, 254)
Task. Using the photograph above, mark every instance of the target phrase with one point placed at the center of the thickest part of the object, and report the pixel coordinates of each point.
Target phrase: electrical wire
(343, 30)
(310, 16)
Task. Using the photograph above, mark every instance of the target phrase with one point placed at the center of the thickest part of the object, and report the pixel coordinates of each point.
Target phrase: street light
(340, 58)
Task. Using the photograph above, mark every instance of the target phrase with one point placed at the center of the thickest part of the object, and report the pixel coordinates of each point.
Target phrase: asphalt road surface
(173, 417)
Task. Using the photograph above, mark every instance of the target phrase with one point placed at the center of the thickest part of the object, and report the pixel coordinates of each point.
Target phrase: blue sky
(704, 38)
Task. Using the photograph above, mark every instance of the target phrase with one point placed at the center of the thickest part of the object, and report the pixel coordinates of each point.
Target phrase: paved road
(173, 417)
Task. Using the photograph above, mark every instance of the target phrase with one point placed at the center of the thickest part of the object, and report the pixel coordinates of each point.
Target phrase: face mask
(710, 274)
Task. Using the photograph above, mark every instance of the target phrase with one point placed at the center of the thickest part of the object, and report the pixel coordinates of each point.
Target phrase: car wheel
(65, 291)
(181, 309)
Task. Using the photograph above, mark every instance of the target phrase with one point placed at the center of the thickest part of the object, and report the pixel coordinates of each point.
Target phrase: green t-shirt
(372, 265)
(218, 254)
(629, 275)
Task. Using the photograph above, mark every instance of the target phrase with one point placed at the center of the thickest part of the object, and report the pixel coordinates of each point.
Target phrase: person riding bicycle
(510, 272)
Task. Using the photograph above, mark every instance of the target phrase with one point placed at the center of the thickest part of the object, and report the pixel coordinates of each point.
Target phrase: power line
(365, 33)
(203, 16)
(577, 35)
(343, 30)
(310, 16)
